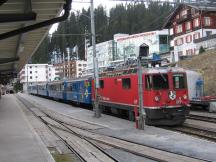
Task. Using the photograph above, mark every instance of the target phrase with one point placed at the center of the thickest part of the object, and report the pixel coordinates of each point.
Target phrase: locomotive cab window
(179, 81)
(101, 83)
(160, 81)
(148, 80)
(126, 83)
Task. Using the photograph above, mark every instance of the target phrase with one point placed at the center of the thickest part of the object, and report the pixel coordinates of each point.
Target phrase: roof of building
(203, 7)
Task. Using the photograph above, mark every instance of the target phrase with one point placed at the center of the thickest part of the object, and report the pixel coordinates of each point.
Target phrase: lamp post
(97, 112)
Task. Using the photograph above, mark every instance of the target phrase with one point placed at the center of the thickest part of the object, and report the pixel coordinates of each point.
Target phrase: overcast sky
(79, 4)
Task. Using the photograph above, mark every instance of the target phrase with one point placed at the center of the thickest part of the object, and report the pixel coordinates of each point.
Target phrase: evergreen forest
(128, 18)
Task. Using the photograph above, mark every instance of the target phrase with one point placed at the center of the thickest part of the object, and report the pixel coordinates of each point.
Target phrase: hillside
(204, 63)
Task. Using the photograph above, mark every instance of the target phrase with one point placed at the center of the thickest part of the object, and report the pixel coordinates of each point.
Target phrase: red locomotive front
(165, 96)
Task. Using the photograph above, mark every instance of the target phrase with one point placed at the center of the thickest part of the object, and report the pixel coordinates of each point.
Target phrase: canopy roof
(18, 46)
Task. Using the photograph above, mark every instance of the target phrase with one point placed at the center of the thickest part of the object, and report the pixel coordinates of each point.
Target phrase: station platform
(18, 140)
(152, 136)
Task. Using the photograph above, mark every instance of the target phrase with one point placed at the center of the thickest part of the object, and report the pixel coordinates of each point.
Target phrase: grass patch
(63, 157)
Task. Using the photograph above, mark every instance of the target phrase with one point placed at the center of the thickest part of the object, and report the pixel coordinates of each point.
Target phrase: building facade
(124, 47)
(188, 24)
(104, 53)
(128, 46)
(71, 69)
(36, 73)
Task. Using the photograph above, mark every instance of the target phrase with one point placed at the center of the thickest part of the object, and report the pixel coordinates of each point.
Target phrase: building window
(126, 83)
(208, 33)
(193, 11)
(180, 53)
(196, 35)
(179, 42)
(30, 77)
(36, 72)
(188, 25)
(183, 13)
(36, 77)
(189, 52)
(188, 38)
(179, 29)
(30, 72)
(79, 65)
(196, 22)
(207, 21)
(30, 67)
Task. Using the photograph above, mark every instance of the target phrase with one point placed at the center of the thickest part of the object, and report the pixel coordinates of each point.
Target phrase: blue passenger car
(55, 90)
(78, 91)
(32, 89)
(42, 89)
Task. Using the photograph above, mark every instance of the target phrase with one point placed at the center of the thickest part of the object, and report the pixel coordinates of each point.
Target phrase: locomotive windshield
(157, 81)
(179, 81)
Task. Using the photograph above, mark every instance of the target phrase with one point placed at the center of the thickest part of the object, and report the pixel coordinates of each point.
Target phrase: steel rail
(28, 105)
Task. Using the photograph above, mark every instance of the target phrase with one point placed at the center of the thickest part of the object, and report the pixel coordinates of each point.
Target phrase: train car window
(62, 87)
(179, 81)
(126, 83)
(160, 81)
(149, 83)
(69, 87)
(101, 83)
(74, 87)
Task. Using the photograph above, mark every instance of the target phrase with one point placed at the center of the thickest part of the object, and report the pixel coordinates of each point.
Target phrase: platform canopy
(23, 26)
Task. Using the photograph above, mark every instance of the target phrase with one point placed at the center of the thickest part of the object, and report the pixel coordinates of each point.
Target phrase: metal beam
(5, 18)
(8, 60)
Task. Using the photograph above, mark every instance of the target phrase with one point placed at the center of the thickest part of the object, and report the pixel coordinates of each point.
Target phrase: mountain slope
(205, 64)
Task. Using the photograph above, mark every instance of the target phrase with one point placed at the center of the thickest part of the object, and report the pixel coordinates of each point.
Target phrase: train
(165, 93)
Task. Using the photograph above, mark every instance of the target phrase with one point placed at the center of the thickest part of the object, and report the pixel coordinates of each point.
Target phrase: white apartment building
(125, 46)
(104, 53)
(128, 45)
(36, 73)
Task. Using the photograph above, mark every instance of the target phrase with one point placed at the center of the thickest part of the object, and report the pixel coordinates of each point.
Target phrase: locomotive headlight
(185, 97)
(157, 98)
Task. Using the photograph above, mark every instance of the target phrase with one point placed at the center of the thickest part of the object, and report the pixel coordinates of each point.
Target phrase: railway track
(202, 118)
(202, 133)
(88, 145)
(198, 125)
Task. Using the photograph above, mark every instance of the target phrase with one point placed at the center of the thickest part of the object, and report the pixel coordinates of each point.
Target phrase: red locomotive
(165, 94)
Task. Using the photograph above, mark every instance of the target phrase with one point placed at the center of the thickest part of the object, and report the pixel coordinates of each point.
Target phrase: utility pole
(97, 112)
(141, 118)
(63, 59)
(143, 53)
(68, 52)
(27, 78)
